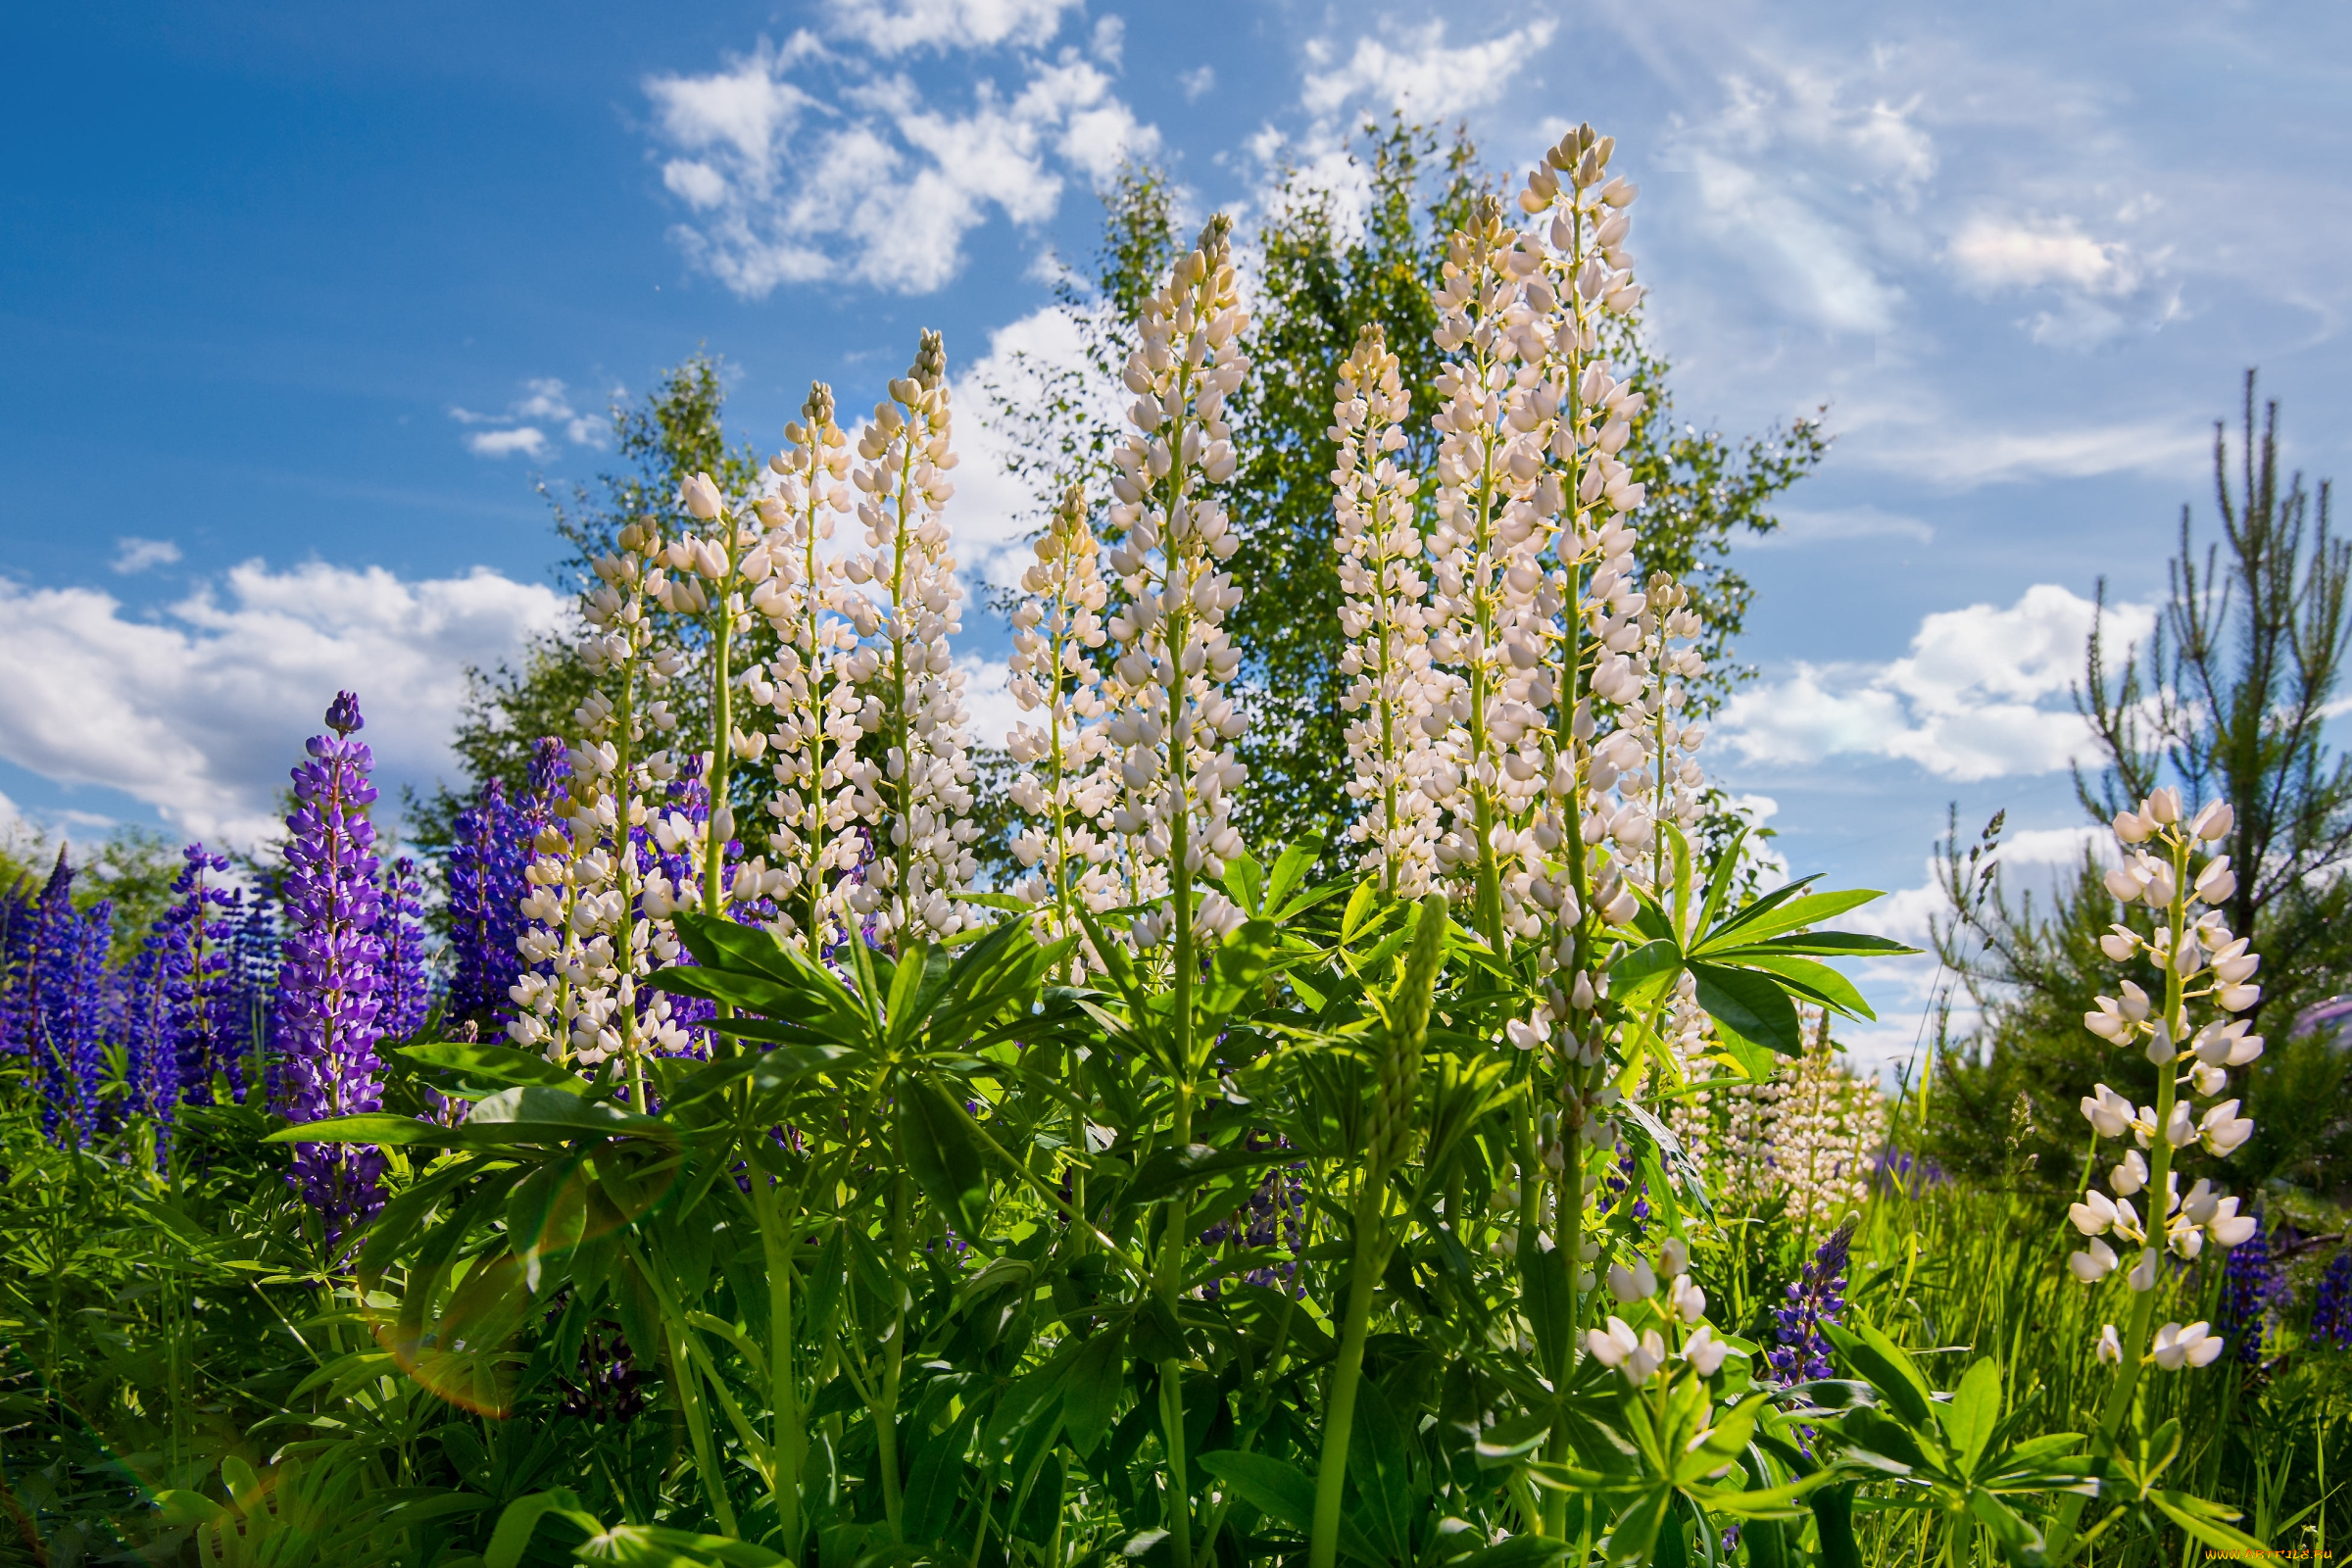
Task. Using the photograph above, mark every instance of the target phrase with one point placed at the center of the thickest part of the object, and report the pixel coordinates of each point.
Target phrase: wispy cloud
(134, 555)
(809, 161)
(1419, 73)
(523, 431)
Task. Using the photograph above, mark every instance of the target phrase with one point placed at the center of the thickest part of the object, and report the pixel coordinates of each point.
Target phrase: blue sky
(297, 304)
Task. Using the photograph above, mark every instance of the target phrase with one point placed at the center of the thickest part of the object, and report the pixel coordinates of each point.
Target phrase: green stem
(1339, 1408)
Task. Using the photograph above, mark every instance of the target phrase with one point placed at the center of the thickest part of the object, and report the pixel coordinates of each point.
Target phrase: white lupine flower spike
(1066, 790)
(913, 784)
(2207, 973)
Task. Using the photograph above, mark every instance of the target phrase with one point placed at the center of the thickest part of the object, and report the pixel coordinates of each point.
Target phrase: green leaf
(2199, 1518)
(942, 1148)
(368, 1127)
(522, 1517)
(1651, 966)
(1520, 1552)
(1975, 1411)
(2019, 1541)
(551, 1116)
(1277, 1489)
(1815, 981)
(1889, 1369)
(499, 1064)
(1780, 910)
(1089, 1395)
(1749, 1006)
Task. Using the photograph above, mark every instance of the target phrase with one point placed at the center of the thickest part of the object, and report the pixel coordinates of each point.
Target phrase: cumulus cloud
(804, 162)
(1991, 253)
(1421, 74)
(1983, 693)
(898, 26)
(546, 401)
(200, 712)
(1198, 82)
(135, 555)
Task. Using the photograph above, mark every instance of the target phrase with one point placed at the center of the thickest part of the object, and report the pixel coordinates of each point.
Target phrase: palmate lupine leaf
(1751, 967)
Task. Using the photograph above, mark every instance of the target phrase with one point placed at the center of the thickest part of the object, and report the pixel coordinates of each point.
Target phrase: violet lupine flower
(20, 917)
(2331, 1311)
(328, 979)
(43, 979)
(207, 1035)
(253, 998)
(78, 1025)
(485, 890)
(2250, 1284)
(406, 984)
(1815, 1298)
(152, 1064)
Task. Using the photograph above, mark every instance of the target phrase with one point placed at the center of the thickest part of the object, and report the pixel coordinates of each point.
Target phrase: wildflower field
(1396, 1116)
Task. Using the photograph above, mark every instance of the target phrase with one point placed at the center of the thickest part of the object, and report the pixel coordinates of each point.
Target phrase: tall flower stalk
(1174, 723)
(1395, 693)
(2204, 969)
(914, 790)
(1065, 792)
(329, 975)
(814, 843)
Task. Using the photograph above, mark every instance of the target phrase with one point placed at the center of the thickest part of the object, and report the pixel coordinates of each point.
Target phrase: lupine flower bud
(2163, 807)
(2221, 1131)
(2130, 827)
(2110, 1346)
(701, 497)
(2213, 823)
(1704, 1352)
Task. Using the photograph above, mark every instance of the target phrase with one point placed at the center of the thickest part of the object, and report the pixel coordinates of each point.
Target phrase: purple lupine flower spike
(2331, 1309)
(1803, 1351)
(329, 1013)
(19, 919)
(2249, 1285)
(79, 1027)
(252, 1005)
(152, 1064)
(408, 991)
(478, 896)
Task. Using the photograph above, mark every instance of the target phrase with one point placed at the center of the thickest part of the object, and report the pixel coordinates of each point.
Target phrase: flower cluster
(2199, 961)
(1394, 690)
(407, 983)
(1813, 1298)
(57, 1001)
(1676, 1301)
(1172, 724)
(913, 782)
(491, 845)
(593, 934)
(2331, 1307)
(1065, 791)
(810, 685)
(2250, 1287)
(328, 999)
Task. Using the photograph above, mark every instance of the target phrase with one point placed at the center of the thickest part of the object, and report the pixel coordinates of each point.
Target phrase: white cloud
(1990, 252)
(527, 439)
(1422, 75)
(548, 400)
(1198, 82)
(1983, 693)
(135, 555)
(874, 179)
(895, 27)
(200, 712)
